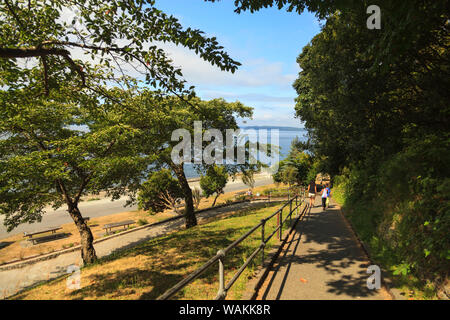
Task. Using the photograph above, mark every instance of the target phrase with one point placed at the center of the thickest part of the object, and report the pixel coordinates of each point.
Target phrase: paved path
(321, 260)
(12, 281)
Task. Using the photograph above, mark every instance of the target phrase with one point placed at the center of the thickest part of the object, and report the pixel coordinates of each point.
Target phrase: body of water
(286, 137)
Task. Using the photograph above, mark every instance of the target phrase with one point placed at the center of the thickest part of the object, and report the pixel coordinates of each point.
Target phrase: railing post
(263, 223)
(290, 206)
(296, 204)
(280, 230)
(222, 292)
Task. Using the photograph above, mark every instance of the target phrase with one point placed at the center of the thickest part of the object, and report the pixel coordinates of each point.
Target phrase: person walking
(312, 190)
(325, 194)
(328, 195)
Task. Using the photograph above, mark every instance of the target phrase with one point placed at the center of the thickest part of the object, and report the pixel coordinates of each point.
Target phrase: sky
(266, 43)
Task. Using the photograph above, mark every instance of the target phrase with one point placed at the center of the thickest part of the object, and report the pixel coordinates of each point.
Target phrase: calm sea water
(285, 140)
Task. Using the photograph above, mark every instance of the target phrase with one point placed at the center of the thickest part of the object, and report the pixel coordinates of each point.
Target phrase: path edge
(386, 285)
(255, 284)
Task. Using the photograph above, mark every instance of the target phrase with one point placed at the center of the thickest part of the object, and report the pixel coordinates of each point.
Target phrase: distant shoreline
(274, 127)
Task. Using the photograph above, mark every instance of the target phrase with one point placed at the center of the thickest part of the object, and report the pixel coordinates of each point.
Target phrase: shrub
(402, 210)
(142, 222)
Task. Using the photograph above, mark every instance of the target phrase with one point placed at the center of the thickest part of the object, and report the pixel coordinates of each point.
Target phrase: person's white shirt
(324, 193)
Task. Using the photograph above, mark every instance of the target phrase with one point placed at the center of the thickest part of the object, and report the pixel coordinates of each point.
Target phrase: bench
(124, 224)
(53, 230)
(240, 194)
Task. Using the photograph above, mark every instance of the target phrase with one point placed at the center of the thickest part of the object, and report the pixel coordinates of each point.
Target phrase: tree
(355, 113)
(70, 57)
(56, 149)
(214, 181)
(289, 175)
(161, 191)
(161, 117)
(248, 178)
(375, 105)
(197, 197)
(295, 167)
(110, 34)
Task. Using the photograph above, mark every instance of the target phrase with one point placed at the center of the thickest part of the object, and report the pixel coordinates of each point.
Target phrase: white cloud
(252, 73)
(283, 101)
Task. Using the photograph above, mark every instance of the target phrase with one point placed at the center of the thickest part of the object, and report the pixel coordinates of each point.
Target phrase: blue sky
(266, 43)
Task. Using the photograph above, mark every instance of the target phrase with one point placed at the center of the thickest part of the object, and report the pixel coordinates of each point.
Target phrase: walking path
(15, 280)
(321, 260)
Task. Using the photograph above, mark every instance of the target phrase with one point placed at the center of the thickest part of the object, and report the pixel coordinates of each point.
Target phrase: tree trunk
(217, 195)
(87, 240)
(191, 220)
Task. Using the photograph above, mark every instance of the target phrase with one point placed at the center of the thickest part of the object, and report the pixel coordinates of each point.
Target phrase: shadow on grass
(116, 284)
(4, 244)
(51, 237)
(173, 257)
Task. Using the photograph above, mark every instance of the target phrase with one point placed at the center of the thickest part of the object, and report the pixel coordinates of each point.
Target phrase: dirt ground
(18, 248)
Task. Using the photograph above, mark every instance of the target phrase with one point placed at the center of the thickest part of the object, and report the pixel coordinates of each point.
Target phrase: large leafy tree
(55, 145)
(160, 117)
(161, 191)
(355, 112)
(56, 149)
(122, 38)
(377, 112)
(295, 168)
(214, 181)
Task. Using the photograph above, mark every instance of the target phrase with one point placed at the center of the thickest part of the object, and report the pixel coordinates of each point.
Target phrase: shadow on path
(321, 260)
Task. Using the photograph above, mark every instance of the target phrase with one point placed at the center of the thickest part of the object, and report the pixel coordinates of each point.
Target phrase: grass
(149, 269)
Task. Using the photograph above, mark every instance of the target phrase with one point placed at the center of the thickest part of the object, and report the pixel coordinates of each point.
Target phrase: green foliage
(214, 181)
(375, 104)
(248, 178)
(354, 111)
(55, 150)
(159, 192)
(295, 168)
(112, 34)
(402, 211)
(197, 197)
(142, 222)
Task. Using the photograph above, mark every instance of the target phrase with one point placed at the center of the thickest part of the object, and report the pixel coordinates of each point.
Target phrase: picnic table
(53, 234)
(124, 224)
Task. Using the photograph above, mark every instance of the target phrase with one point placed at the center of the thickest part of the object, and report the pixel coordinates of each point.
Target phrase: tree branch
(31, 52)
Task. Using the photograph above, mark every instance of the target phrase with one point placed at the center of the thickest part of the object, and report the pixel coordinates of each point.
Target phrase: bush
(159, 192)
(142, 222)
(402, 210)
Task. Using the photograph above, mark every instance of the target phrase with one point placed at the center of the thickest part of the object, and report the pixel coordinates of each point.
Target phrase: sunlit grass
(148, 270)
